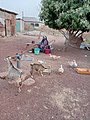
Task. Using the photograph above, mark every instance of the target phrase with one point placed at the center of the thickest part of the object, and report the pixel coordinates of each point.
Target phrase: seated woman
(43, 44)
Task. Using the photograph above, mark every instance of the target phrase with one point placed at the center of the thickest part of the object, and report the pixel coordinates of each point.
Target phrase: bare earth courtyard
(52, 97)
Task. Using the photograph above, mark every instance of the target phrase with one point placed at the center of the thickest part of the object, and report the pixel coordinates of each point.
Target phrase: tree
(73, 15)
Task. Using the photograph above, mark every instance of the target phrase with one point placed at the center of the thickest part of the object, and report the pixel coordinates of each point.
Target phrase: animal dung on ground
(72, 64)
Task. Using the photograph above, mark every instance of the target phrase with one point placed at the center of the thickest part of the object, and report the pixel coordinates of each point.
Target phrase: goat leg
(31, 72)
(19, 83)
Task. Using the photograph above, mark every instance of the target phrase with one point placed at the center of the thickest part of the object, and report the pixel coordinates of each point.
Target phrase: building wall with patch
(28, 26)
(8, 20)
(2, 27)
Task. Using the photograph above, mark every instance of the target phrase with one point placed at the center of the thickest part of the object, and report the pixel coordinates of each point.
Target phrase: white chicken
(54, 57)
(61, 69)
(73, 64)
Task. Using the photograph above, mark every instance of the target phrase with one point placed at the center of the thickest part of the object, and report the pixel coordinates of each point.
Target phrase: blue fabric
(43, 43)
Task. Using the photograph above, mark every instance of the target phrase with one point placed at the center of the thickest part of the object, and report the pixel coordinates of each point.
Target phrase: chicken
(73, 63)
(54, 57)
(61, 69)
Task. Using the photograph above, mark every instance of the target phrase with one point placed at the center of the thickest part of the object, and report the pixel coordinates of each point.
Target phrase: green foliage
(70, 14)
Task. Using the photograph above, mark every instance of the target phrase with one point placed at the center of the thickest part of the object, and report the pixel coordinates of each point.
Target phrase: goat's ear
(6, 57)
(10, 57)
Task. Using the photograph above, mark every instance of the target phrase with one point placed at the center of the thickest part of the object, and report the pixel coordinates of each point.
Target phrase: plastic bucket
(36, 51)
(47, 51)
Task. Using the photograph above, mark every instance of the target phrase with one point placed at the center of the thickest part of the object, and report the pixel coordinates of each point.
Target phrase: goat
(14, 73)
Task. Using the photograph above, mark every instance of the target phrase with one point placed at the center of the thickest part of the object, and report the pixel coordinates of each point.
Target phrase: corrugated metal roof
(4, 10)
(30, 19)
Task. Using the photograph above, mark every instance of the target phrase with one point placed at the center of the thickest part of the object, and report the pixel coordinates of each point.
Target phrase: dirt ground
(52, 97)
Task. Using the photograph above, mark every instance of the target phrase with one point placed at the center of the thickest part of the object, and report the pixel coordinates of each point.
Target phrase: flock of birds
(72, 64)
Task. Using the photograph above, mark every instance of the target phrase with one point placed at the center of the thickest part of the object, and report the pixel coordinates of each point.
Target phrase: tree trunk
(75, 40)
(72, 38)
